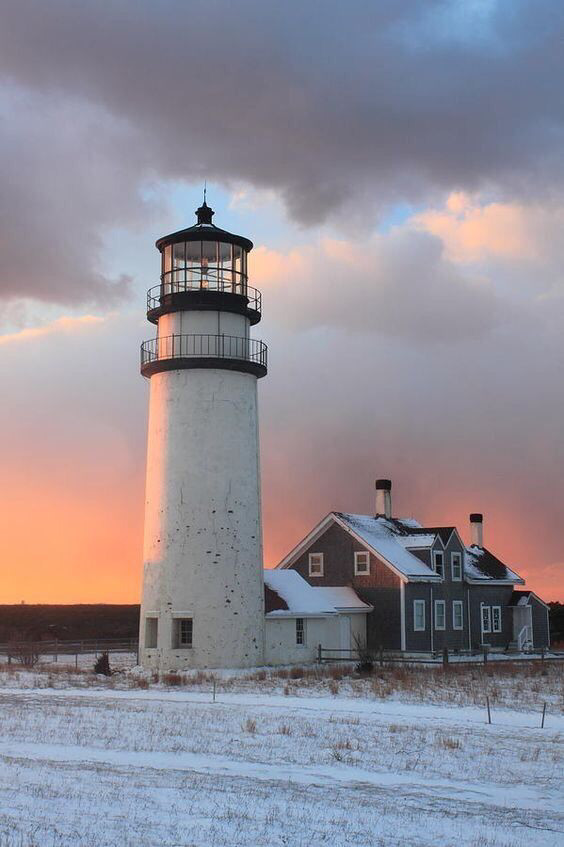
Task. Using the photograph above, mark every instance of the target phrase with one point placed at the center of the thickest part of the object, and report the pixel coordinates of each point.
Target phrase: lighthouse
(203, 594)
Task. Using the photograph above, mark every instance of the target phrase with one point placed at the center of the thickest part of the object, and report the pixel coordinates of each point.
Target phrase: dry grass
(521, 685)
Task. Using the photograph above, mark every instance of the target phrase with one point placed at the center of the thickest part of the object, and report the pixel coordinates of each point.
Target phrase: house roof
(393, 539)
(382, 536)
(481, 564)
(522, 598)
(444, 532)
(343, 599)
(301, 598)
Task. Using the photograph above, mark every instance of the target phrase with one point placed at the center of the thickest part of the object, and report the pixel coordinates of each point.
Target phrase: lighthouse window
(178, 260)
(184, 631)
(193, 262)
(237, 263)
(151, 632)
(166, 260)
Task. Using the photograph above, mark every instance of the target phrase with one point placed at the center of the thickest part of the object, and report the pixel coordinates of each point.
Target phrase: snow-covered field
(99, 766)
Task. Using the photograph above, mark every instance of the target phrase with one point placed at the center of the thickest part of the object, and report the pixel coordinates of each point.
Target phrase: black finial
(204, 213)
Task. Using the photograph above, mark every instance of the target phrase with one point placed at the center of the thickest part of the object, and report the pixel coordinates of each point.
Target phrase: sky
(399, 168)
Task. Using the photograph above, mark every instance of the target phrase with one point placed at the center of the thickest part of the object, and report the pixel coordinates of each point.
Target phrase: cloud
(399, 284)
(342, 111)
(62, 324)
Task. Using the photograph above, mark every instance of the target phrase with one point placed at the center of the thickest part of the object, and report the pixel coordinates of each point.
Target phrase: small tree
(102, 665)
(25, 651)
(366, 659)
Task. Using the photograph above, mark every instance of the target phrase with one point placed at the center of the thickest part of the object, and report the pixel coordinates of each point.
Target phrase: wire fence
(437, 658)
(29, 653)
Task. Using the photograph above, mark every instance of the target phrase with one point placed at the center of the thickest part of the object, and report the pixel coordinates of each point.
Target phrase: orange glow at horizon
(73, 544)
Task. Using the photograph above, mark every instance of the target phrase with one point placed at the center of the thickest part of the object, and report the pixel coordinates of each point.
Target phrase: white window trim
(422, 604)
(492, 619)
(443, 604)
(458, 604)
(304, 631)
(321, 572)
(176, 629)
(358, 554)
(487, 609)
(452, 557)
(156, 619)
(435, 554)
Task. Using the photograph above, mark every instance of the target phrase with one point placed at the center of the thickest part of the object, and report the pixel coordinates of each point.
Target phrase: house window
(300, 632)
(486, 619)
(440, 614)
(361, 563)
(419, 615)
(457, 614)
(151, 632)
(183, 632)
(496, 618)
(456, 567)
(438, 562)
(316, 564)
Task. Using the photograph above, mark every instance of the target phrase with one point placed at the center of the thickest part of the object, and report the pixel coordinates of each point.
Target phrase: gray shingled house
(427, 589)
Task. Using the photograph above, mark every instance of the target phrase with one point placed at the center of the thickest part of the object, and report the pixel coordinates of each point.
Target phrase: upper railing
(172, 352)
(210, 282)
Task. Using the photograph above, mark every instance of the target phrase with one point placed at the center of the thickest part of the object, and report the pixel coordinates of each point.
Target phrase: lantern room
(204, 266)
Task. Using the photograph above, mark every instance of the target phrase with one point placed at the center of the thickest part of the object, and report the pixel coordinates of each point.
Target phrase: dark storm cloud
(333, 105)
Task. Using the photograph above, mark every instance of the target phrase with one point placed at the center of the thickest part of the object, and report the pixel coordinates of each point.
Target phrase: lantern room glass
(215, 265)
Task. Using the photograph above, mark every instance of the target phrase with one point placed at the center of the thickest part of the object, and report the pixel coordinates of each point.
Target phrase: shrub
(171, 679)
(250, 725)
(102, 665)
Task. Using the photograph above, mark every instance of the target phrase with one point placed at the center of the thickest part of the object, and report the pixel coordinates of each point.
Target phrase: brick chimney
(383, 498)
(477, 529)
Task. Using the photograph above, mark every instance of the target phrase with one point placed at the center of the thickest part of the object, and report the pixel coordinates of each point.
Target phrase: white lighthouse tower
(203, 601)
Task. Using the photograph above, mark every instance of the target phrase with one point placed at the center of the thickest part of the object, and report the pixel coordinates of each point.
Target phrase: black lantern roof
(204, 230)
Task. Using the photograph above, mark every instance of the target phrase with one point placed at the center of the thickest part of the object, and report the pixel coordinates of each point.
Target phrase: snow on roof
(305, 599)
(421, 540)
(481, 564)
(342, 598)
(298, 594)
(383, 535)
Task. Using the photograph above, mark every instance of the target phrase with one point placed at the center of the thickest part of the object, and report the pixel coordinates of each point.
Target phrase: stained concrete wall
(203, 543)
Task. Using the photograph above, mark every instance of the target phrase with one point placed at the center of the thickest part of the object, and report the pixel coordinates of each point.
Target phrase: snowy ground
(99, 766)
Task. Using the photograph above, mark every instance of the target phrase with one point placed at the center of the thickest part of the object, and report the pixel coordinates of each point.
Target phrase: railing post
(319, 653)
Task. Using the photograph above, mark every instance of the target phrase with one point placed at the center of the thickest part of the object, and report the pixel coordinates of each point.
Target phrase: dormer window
(439, 562)
(316, 564)
(456, 566)
(361, 563)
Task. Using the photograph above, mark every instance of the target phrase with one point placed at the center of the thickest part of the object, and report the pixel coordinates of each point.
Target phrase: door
(345, 634)
(486, 620)
(522, 626)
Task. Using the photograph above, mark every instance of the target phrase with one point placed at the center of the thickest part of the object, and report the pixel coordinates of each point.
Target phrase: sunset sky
(399, 167)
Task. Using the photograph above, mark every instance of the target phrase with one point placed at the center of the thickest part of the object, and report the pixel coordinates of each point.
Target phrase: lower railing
(203, 346)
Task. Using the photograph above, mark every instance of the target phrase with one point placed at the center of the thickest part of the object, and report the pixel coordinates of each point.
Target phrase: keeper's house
(426, 589)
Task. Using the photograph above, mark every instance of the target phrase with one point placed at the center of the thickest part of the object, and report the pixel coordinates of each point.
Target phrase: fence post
(76, 660)
(214, 689)
(381, 655)
(319, 653)
(485, 655)
(542, 654)
(445, 656)
(543, 715)
(489, 713)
